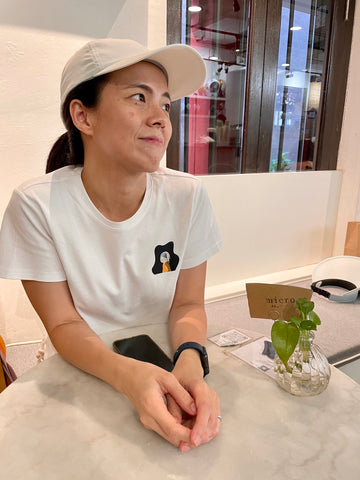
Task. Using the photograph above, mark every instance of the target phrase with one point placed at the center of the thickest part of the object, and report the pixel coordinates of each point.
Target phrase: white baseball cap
(342, 272)
(184, 66)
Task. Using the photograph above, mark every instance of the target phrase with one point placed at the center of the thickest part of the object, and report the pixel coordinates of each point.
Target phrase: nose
(158, 117)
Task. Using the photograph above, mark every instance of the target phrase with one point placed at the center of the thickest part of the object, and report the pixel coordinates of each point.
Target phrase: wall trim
(235, 289)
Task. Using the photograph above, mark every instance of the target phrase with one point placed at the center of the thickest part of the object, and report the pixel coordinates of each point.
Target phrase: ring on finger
(219, 417)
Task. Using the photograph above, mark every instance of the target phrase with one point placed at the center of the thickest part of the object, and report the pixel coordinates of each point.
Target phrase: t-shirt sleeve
(27, 250)
(204, 239)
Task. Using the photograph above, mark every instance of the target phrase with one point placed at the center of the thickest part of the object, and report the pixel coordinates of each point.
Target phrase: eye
(139, 97)
(166, 107)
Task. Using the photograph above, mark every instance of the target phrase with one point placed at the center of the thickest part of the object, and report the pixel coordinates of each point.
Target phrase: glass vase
(307, 371)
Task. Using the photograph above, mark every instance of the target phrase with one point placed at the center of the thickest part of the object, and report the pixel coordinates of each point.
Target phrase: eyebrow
(147, 88)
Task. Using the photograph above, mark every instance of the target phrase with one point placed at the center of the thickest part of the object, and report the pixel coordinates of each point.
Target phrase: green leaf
(284, 336)
(307, 325)
(295, 320)
(300, 302)
(307, 307)
(312, 316)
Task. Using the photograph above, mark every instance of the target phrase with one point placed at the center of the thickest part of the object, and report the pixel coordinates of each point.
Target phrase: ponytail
(68, 148)
(59, 154)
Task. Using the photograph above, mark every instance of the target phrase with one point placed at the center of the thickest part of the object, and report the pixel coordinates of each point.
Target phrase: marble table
(57, 422)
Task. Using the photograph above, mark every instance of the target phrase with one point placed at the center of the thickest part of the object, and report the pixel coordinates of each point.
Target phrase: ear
(81, 117)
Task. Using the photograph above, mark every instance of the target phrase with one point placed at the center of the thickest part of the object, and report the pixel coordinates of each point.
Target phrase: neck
(116, 194)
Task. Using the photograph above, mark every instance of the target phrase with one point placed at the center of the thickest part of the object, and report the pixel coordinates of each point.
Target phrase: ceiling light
(295, 28)
(214, 57)
(195, 8)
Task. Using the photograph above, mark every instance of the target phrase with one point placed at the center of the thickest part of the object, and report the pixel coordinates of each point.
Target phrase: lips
(153, 141)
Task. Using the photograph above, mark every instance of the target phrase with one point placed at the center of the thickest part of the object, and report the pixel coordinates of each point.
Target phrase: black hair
(68, 148)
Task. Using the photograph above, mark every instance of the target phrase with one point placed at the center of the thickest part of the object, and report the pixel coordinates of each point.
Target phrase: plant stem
(305, 344)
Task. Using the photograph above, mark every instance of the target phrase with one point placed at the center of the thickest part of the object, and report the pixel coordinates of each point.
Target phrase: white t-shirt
(119, 273)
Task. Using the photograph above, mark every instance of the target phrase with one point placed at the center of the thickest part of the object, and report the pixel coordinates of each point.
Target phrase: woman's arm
(187, 323)
(145, 384)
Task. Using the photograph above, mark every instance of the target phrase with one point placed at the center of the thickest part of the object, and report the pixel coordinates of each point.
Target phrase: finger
(162, 422)
(214, 426)
(203, 432)
(207, 425)
(185, 447)
(174, 409)
(188, 422)
(183, 398)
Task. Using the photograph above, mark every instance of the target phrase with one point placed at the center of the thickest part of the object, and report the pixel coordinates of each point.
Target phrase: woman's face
(131, 126)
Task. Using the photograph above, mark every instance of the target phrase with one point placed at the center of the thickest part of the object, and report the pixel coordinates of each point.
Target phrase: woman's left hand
(206, 424)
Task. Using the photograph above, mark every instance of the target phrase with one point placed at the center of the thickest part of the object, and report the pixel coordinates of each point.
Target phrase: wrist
(190, 357)
(188, 367)
(120, 372)
(198, 351)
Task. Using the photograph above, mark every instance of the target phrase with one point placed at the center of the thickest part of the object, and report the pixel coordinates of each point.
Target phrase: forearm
(80, 346)
(187, 319)
(187, 323)
(75, 341)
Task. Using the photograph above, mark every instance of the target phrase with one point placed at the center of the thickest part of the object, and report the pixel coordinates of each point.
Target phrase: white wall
(269, 222)
(30, 62)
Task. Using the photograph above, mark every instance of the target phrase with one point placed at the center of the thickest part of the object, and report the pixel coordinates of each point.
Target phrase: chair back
(7, 374)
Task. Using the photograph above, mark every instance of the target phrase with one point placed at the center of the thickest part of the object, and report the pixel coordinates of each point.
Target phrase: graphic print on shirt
(166, 259)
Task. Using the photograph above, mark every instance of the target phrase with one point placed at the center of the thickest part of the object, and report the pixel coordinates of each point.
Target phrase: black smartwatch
(195, 346)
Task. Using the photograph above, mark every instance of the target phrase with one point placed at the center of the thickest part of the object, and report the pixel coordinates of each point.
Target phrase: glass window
(214, 114)
(300, 70)
(275, 87)
(214, 120)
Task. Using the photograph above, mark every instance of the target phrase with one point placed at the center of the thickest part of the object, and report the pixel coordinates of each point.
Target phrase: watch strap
(194, 346)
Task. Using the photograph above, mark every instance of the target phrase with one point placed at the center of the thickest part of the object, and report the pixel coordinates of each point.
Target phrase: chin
(153, 169)
(153, 165)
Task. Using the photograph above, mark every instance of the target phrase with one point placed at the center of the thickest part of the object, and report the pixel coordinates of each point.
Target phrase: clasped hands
(179, 406)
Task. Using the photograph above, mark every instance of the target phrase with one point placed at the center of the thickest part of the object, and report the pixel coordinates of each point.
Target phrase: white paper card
(259, 354)
(229, 338)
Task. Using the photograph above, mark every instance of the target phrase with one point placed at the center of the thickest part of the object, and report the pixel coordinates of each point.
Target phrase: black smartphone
(143, 347)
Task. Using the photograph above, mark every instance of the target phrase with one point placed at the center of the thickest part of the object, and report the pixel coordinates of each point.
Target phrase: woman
(87, 238)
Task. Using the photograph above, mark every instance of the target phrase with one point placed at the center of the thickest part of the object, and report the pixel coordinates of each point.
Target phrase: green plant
(285, 334)
(284, 165)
